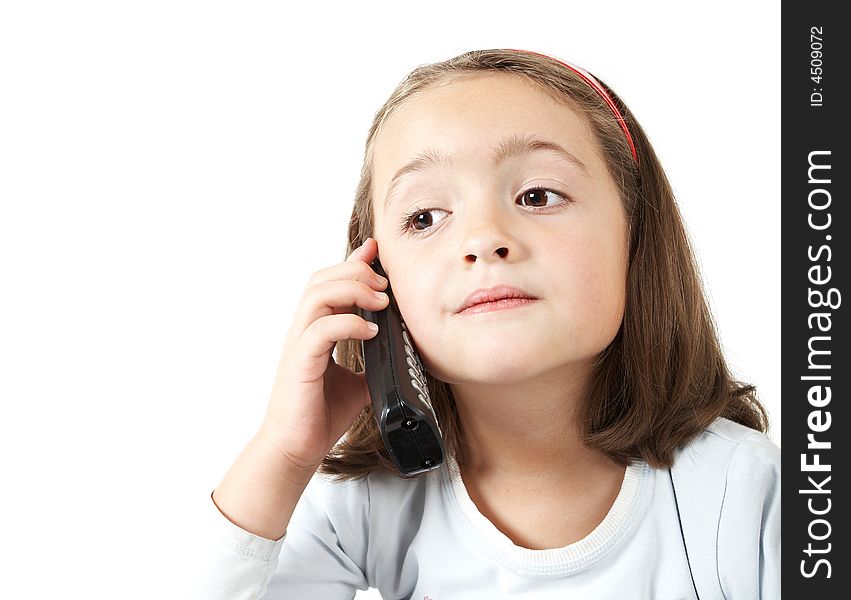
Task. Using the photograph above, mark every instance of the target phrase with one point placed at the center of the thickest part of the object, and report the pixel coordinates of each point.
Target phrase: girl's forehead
(479, 105)
(483, 118)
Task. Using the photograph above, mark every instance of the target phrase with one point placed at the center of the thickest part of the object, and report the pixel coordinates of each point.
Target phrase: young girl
(596, 443)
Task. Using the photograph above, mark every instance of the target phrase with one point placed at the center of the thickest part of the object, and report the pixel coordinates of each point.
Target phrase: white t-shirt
(425, 539)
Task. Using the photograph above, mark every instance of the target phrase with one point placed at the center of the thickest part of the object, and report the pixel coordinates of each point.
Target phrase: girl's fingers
(332, 297)
(365, 252)
(326, 298)
(319, 339)
(341, 288)
(356, 266)
(356, 269)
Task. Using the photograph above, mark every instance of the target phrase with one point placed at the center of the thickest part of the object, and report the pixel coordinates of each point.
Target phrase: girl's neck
(526, 429)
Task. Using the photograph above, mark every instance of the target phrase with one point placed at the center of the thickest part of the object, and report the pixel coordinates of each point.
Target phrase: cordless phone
(399, 392)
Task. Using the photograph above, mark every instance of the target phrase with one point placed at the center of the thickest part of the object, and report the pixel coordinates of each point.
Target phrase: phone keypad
(415, 370)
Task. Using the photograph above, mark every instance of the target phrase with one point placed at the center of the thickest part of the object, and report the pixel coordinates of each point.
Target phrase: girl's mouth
(496, 305)
(501, 297)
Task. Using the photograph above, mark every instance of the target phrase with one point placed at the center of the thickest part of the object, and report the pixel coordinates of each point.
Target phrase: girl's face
(503, 210)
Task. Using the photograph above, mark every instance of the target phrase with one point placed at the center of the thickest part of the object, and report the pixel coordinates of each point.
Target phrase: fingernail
(381, 295)
(372, 326)
(381, 280)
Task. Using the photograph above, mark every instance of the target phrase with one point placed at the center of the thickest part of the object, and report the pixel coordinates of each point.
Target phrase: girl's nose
(501, 252)
(488, 238)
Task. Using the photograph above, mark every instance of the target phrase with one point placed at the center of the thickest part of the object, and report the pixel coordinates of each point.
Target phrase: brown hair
(663, 379)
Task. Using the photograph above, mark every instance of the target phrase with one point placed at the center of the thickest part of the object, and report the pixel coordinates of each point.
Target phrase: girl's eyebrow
(511, 146)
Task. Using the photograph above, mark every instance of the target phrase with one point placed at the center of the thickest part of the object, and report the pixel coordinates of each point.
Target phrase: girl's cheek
(420, 298)
(415, 303)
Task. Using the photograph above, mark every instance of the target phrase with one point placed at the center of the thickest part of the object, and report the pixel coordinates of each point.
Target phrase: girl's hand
(314, 400)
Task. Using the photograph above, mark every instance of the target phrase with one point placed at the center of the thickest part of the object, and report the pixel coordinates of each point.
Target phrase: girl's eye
(537, 197)
(419, 220)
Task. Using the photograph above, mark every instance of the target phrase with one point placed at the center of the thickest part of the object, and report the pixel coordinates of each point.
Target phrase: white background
(171, 173)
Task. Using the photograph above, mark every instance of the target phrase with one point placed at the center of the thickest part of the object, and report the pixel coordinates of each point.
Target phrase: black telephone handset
(399, 392)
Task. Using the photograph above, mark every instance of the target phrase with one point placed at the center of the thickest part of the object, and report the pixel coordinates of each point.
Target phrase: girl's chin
(494, 373)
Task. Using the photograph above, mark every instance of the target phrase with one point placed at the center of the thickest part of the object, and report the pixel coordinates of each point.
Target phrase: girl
(596, 443)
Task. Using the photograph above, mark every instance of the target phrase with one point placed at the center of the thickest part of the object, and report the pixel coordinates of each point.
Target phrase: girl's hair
(662, 380)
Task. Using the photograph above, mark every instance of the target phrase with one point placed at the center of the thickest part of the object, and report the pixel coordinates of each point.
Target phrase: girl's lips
(494, 295)
(496, 305)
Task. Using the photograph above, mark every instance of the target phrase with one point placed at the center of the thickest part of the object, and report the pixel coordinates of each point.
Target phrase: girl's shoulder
(727, 483)
(738, 433)
(353, 499)
(728, 475)
(727, 447)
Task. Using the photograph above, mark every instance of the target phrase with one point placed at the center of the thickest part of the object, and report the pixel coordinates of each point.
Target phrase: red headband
(599, 89)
